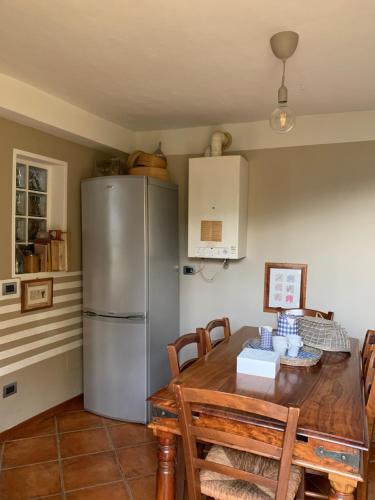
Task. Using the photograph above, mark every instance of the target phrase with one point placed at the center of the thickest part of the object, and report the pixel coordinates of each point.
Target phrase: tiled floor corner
(76, 455)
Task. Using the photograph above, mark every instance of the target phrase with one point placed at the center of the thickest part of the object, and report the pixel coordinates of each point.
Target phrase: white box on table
(258, 362)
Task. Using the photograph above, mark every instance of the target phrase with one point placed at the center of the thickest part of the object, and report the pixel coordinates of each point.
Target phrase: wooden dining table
(332, 427)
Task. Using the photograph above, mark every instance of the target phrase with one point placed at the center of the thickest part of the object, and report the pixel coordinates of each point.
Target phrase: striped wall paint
(28, 338)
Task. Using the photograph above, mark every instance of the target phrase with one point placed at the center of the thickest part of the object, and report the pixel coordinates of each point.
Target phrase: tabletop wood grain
(329, 395)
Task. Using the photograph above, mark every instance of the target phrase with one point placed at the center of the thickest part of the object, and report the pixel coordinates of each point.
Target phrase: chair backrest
(216, 323)
(370, 379)
(367, 349)
(193, 430)
(308, 312)
(175, 347)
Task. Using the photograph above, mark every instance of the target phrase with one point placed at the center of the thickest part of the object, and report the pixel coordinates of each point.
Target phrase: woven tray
(307, 356)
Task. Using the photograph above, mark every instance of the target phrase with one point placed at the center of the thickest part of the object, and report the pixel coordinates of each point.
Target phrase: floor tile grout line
(134, 478)
(89, 454)
(93, 486)
(127, 486)
(53, 434)
(61, 469)
(103, 425)
(30, 437)
(82, 430)
(108, 450)
(138, 445)
(30, 465)
(46, 497)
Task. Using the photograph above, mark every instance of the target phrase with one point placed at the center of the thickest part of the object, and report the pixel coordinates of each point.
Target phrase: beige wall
(41, 350)
(80, 163)
(313, 205)
(41, 386)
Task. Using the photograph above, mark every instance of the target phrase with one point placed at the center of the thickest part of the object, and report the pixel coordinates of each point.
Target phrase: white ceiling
(152, 64)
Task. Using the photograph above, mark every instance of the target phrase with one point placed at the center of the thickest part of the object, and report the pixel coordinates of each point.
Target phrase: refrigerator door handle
(135, 316)
(90, 314)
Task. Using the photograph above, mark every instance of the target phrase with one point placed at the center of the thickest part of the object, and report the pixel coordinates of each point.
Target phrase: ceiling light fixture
(283, 45)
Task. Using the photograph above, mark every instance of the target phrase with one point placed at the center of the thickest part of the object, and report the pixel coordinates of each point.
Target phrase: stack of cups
(294, 344)
(290, 343)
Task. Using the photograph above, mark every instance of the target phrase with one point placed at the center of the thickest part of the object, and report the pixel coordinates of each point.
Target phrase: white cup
(294, 344)
(279, 344)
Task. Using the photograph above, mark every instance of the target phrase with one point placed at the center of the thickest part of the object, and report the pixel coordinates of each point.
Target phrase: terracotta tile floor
(76, 455)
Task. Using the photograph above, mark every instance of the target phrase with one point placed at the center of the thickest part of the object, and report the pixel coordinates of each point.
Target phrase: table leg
(166, 481)
(342, 488)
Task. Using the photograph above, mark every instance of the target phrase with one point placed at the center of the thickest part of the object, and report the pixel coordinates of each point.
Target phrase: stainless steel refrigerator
(130, 291)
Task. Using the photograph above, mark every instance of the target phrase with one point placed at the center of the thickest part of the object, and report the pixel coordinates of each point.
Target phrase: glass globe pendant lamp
(282, 118)
(283, 45)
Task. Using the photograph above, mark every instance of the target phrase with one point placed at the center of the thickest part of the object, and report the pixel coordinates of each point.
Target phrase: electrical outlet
(9, 289)
(9, 389)
(189, 270)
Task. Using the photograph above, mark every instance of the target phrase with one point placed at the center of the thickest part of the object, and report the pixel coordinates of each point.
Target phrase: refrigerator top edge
(137, 178)
(134, 178)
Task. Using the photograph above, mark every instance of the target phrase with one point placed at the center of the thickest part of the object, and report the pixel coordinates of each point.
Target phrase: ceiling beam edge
(309, 130)
(30, 106)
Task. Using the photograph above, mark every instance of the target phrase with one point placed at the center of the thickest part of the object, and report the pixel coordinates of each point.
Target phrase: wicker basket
(324, 334)
(287, 360)
(158, 173)
(141, 159)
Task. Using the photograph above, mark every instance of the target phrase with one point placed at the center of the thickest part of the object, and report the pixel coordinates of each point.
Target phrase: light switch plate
(10, 289)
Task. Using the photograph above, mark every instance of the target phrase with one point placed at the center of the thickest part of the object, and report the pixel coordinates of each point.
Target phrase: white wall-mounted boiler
(218, 192)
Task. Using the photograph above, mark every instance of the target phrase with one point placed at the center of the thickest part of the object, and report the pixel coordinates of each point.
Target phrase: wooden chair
(368, 348)
(368, 366)
(175, 348)
(176, 368)
(216, 323)
(308, 312)
(260, 467)
(369, 388)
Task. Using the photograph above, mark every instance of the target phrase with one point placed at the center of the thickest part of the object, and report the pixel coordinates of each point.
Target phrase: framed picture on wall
(36, 294)
(284, 286)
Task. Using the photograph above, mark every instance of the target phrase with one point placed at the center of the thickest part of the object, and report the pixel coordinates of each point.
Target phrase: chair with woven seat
(176, 367)
(369, 387)
(211, 326)
(308, 312)
(237, 466)
(367, 349)
(175, 347)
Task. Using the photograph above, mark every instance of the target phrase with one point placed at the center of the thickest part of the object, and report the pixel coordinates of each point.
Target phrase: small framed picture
(36, 294)
(284, 286)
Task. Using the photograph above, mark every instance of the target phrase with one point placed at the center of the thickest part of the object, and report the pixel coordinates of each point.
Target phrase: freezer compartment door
(115, 367)
(114, 245)
(163, 275)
